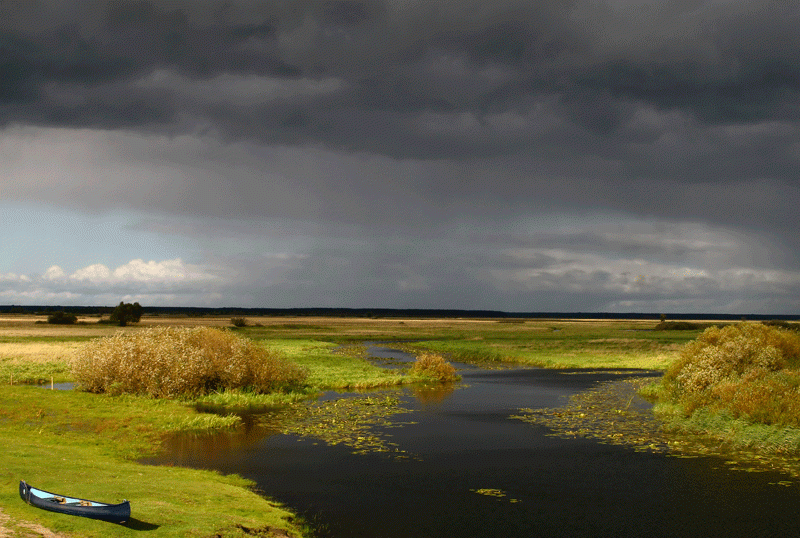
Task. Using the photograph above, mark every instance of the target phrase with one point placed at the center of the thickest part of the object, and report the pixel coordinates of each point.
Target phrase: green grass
(82, 444)
(34, 373)
(563, 345)
(243, 402)
(735, 433)
(332, 369)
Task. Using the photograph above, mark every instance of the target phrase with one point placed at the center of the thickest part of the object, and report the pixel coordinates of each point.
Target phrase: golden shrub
(435, 366)
(180, 361)
(749, 370)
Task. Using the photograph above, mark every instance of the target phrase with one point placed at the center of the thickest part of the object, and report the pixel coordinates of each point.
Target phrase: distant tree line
(123, 314)
(386, 313)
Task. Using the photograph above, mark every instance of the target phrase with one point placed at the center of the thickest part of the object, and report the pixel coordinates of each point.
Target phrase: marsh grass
(560, 345)
(731, 432)
(179, 361)
(35, 362)
(202, 423)
(330, 367)
(243, 402)
(33, 373)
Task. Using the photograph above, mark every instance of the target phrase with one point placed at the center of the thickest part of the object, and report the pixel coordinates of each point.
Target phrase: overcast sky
(567, 155)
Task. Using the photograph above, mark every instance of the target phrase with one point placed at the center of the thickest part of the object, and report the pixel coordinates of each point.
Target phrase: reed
(180, 361)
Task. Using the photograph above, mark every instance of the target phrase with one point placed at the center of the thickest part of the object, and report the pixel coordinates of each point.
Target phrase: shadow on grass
(139, 525)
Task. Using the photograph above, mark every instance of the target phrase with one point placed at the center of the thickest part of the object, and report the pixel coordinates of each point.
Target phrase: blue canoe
(115, 513)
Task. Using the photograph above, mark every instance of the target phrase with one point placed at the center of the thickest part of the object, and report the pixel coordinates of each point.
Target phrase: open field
(87, 444)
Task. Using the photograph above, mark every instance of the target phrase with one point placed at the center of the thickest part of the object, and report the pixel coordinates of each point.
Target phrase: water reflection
(431, 395)
(215, 451)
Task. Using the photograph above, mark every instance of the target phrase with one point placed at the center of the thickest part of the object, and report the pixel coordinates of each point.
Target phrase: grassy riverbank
(86, 444)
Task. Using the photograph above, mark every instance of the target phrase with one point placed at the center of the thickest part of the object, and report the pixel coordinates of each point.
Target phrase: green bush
(62, 318)
(175, 361)
(239, 322)
(126, 313)
(433, 365)
(748, 370)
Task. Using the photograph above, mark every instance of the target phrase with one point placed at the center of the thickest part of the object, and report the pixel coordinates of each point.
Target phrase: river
(463, 468)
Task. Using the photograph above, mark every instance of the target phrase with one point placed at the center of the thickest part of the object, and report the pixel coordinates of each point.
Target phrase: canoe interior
(61, 499)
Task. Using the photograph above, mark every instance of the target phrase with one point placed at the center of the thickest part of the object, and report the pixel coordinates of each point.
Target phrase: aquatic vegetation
(496, 493)
(352, 422)
(615, 413)
(612, 412)
(179, 361)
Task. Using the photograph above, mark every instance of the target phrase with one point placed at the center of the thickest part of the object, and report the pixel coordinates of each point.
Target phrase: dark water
(464, 441)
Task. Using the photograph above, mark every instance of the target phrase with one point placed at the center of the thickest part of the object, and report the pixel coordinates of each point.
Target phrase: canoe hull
(114, 513)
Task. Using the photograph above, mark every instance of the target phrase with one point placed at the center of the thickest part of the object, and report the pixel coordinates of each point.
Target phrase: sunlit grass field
(86, 444)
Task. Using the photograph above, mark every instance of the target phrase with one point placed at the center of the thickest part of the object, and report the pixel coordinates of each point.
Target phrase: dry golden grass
(166, 362)
(37, 352)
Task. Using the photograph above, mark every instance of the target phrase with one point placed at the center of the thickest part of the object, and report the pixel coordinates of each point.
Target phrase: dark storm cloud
(421, 80)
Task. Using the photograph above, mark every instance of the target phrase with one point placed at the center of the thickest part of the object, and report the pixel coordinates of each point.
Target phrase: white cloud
(94, 273)
(157, 282)
(151, 272)
(54, 273)
(138, 271)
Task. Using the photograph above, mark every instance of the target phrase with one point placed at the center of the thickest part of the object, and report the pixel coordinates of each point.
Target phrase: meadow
(89, 443)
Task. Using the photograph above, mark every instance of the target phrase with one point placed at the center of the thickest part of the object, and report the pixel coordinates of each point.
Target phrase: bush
(239, 322)
(126, 313)
(749, 370)
(172, 361)
(433, 365)
(62, 318)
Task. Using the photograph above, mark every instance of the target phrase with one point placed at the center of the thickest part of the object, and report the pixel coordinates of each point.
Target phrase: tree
(126, 313)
